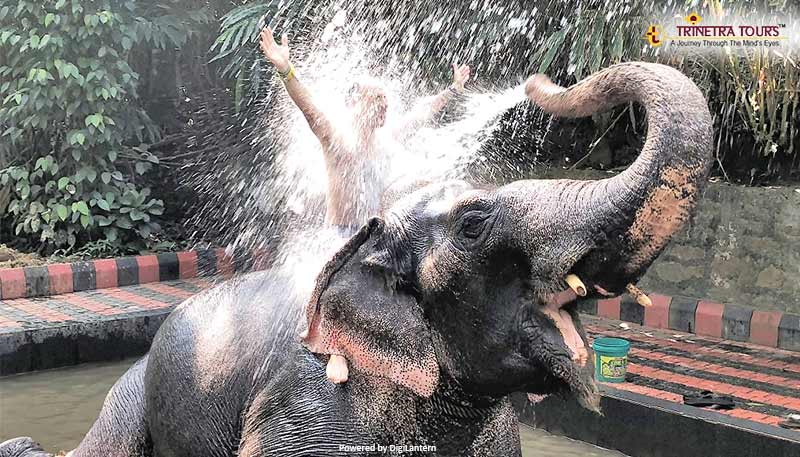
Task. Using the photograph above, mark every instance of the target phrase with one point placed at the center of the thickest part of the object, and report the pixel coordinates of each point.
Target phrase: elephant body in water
(442, 308)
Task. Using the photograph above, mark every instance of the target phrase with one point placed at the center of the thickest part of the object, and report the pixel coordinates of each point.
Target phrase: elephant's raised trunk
(631, 217)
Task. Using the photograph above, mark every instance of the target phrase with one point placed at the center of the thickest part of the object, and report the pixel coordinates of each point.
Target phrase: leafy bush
(74, 134)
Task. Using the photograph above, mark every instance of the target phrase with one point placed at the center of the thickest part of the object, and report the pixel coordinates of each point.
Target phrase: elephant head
(459, 282)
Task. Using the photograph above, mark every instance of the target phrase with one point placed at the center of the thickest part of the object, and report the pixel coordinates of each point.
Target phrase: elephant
(443, 306)
(22, 447)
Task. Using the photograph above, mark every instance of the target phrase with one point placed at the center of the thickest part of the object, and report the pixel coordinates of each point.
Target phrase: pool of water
(57, 407)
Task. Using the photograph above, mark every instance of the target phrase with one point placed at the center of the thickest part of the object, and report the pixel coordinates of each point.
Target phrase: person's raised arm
(427, 108)
(278, 54)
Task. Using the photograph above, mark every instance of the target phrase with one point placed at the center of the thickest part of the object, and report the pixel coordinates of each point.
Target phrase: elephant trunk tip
(590, 397)
(539, 86)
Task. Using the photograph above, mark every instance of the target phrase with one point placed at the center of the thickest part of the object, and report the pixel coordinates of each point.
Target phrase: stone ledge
(73, 343)
(651, 427)
(89, 326)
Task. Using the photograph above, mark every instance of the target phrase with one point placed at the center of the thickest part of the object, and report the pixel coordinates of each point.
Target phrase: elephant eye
(473, 224)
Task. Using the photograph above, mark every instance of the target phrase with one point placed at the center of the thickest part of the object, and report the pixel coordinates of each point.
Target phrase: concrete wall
(743, 247)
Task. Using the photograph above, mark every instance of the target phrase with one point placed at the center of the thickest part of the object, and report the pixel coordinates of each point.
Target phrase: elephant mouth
(565, 321)
(553, 341)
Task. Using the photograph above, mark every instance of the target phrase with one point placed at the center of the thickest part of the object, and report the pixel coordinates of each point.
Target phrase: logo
(613, 367)
(653, 35)
(691, 31)
(693, 19)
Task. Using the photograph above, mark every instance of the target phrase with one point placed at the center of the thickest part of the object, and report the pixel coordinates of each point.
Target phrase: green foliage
(237, 42)
(74, 134)
(595, 38)
(756, 91)
(59, 208)
(239, 34)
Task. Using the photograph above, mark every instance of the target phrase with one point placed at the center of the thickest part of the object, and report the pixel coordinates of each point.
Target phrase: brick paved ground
(764, 382)
(95, 305)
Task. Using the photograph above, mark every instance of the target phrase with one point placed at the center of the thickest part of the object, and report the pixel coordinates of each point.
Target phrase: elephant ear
(357, 311)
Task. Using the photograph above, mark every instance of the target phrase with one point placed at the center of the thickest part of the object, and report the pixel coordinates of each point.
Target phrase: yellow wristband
(289, 74)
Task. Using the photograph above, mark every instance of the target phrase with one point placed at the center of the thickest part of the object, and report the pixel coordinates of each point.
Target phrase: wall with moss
(743, 247)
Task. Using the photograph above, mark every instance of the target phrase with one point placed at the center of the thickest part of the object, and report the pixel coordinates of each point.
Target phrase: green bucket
(610, 359)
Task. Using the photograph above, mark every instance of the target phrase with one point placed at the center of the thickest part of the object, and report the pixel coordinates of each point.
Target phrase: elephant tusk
(576, 285)
(641, 297)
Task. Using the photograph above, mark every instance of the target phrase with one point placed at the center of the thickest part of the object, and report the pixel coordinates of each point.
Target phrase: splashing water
(435, 151)
(279, 199)
(398, 42)
(296, 191)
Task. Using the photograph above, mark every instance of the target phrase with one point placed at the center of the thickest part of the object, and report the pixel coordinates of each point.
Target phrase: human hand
(460, 76)
(276, 53)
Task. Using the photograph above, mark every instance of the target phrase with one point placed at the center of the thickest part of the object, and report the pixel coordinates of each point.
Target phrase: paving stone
(88, 325)
(763, 381)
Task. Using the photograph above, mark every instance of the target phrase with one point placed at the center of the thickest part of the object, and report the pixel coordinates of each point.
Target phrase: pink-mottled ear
(356, 312)
(413, 366)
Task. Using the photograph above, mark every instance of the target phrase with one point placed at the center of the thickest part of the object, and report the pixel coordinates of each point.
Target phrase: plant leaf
(61, 211)
(82, 208)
